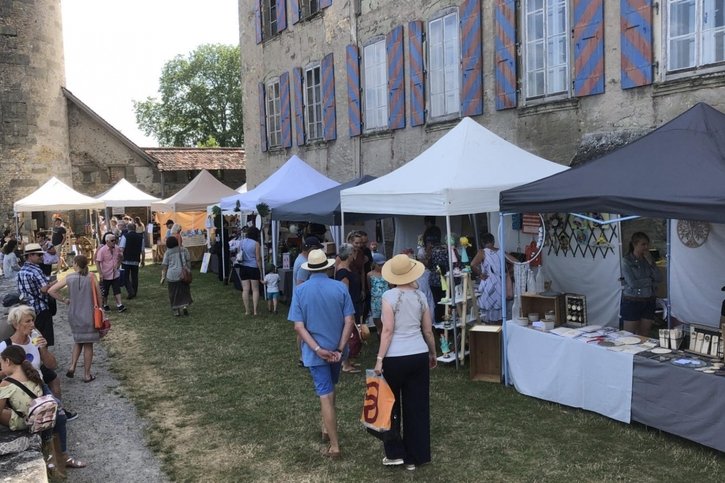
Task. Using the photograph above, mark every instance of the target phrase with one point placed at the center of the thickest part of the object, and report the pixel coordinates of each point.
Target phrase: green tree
(201, 100)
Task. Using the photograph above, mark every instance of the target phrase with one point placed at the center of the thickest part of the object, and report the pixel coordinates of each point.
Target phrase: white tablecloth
(570, 372)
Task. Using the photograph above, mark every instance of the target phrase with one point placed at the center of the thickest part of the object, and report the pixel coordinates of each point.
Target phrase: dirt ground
(108, 434)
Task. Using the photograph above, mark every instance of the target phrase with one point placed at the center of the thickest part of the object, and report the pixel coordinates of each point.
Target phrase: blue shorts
(325, 377)
(637, 309)
(272, 296)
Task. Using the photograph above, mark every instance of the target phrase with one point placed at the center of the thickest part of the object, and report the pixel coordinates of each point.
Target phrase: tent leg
(502, 265)
(223, 267)
(669, 268)
(451, 284)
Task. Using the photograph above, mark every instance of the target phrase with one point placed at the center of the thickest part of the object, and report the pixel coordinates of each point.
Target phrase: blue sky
(114, 51)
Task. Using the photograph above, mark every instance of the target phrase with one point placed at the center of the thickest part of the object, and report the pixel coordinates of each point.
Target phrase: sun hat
(31, 248)
(401, 270)
(317, 261)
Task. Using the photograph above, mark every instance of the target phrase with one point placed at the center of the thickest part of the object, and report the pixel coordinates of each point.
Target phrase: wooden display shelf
(540, 304)
(485, 361)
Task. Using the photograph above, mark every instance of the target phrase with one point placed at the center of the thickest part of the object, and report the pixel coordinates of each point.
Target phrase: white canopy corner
(202, 191)
(55, 195)
(124, 194)
(463, 172)
(294, 180)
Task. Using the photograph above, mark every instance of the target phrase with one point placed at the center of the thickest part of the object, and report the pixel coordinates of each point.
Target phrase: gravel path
(108, 434)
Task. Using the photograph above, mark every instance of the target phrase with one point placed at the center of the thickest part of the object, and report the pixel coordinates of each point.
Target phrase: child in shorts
(271, 281)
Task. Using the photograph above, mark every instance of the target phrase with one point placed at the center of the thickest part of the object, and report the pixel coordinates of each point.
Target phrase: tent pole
(452, 286)
(669, 267)
(274, 226)
(382, 233)
(502, 265)
(342, 226)
(223, 267)
(475, 232)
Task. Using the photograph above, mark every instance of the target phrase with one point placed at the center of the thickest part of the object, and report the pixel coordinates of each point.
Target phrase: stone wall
(566, 130)
(100, 159)
(33, 121)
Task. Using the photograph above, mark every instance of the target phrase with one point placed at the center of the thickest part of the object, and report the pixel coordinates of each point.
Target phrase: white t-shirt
(31, 353)
(271, 280)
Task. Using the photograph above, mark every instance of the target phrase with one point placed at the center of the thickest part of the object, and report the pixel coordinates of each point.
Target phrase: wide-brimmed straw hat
(401, 270)
(31, 248)
(317, 261)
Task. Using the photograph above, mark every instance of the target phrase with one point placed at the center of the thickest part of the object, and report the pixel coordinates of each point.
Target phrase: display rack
(466, 313)
(575, 310)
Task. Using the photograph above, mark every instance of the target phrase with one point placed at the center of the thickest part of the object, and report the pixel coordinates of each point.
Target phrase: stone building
(45, 130)
(361, 86)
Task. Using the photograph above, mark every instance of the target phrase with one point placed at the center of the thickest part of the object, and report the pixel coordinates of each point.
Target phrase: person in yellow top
(13, 399)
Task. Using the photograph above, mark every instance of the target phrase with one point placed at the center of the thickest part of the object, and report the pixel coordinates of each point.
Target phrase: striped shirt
(30, 280)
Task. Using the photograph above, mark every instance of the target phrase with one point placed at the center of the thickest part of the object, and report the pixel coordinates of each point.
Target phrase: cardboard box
(330, 248)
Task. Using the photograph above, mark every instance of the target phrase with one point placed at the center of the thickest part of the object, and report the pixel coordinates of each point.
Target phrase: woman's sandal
(92, 378)
(333, 455)
(74, 463)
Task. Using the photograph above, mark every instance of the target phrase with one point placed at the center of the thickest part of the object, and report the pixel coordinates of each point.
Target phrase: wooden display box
(541, 304)
(484, 342)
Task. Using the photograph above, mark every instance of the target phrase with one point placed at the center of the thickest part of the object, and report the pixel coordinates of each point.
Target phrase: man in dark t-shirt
(58, 241)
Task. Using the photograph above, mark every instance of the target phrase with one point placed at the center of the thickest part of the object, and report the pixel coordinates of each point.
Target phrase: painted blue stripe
(285, 115)
(299, 108)
(329, 121)
(417, 75)
(353, 90)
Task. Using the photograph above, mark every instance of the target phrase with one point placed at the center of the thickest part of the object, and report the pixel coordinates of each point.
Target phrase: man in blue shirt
(323, 315)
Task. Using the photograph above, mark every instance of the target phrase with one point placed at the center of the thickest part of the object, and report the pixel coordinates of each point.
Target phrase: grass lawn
(227, 402)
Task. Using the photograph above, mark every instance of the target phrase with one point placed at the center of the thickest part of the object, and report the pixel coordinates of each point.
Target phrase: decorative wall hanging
(693, 234)
(571, 235)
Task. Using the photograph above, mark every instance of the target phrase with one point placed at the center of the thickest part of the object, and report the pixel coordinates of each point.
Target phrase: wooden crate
(541, 304)
(484, 342)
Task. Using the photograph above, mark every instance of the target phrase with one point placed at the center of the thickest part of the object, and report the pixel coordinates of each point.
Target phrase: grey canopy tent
(677, 171)
(322, 207)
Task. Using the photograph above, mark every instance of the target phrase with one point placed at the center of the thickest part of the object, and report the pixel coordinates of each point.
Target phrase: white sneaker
(391, 462)
(410, 467)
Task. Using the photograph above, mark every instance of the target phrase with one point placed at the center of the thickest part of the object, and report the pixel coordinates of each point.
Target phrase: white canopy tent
(462, 173)
(295, 179)
(57, 196)
(202, 191)
(124, 194)
(242, 189)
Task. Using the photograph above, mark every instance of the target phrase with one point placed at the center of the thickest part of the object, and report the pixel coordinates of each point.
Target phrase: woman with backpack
(13, 400)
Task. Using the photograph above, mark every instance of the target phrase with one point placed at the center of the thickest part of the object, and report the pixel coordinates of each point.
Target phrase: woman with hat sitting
(406, 355)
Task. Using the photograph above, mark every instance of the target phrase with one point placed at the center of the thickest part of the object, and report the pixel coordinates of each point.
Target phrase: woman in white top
(406, 355)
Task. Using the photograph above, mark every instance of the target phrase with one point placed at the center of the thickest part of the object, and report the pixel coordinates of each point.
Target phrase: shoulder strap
(23, 387)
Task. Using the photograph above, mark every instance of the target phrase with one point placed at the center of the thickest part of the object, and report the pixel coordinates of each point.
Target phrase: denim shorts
(272, 295)
(637, 309)
(325, 377)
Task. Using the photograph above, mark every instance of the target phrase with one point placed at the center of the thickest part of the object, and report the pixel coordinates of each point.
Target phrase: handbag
(363, 331)
(98, 314)
(185, 276)
(377, 412)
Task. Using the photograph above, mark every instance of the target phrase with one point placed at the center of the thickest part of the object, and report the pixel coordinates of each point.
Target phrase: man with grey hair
(132, 247)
